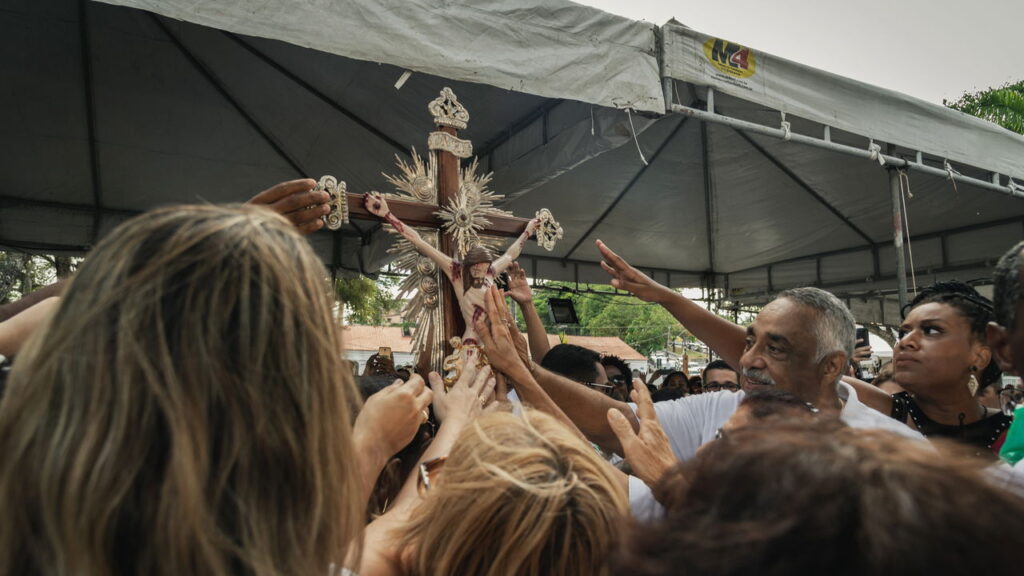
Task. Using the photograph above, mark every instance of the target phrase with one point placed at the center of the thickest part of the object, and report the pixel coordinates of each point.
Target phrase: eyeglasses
(715, 386)
(1009, 398)
(428, 473)
(603, 388)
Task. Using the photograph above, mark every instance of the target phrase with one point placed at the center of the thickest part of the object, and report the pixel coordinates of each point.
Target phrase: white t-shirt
(694, 420)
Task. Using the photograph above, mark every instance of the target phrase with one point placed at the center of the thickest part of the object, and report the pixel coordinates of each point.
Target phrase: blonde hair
(186, 410)
(517, 495)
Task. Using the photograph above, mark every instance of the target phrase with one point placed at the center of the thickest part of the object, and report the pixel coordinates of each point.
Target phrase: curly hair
(612, 360)
(963, 298)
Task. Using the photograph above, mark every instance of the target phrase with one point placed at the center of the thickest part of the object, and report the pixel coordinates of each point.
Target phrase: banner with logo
(820, 96)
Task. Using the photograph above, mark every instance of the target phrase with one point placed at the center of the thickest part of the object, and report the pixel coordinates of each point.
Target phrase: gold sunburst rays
(465, 215)
(415, 179)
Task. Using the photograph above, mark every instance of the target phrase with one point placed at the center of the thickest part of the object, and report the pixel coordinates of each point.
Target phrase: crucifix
(449, 227)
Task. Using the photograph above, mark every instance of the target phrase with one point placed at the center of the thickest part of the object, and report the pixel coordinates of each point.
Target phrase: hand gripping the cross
(298, 201)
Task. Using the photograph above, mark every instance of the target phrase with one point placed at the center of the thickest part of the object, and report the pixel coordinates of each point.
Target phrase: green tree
(22, 273)
(1003, 105)
(368, 301)
(645, 327)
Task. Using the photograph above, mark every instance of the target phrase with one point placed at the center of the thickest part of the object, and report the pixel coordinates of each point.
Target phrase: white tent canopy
(732, 200)
(112, 110)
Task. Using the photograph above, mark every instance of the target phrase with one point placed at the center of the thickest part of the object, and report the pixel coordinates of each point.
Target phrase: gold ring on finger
(426, 415)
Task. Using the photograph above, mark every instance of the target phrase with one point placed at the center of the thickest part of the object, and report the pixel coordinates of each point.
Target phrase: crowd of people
(181, 406)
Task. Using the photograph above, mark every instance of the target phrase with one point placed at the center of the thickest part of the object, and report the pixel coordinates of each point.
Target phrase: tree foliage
(645, 327)
(1003, 105)
(368, 301)
(22, 273)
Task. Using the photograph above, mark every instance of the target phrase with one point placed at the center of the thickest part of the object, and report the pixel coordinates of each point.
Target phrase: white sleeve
(642, 504)
(691, 421)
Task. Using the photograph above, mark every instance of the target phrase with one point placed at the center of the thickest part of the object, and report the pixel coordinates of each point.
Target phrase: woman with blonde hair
(500, 494)
(185, 410)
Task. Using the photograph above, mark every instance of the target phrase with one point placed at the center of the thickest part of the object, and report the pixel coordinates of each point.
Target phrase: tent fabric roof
(114, 110)
(549, 48)
(842, 103)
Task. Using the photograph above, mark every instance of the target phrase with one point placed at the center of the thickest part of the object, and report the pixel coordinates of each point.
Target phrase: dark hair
(694, 384)
(818, 499)
(610, 360)
(686, 379)
(475, 255)
(971, 305)
(961, 296)
(572, 361)
(770, 402)
(1006, 289)
(718, 365)
(370, 384)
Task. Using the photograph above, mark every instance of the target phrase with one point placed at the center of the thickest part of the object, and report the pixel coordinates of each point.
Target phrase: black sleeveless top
(986, 433)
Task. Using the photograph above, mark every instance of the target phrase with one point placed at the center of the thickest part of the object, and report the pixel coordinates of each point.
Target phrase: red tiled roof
(373, 337)
(602, 344)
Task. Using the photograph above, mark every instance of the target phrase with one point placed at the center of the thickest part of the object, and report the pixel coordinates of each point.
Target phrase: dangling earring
(972, 382)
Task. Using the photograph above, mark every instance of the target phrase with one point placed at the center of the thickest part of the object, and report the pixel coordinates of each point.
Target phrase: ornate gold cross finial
(447, 111)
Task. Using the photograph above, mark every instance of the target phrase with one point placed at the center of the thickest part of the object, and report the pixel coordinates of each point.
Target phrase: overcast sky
(929, 49)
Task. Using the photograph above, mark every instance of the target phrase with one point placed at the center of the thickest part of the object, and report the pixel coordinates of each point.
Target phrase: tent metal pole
(841, 148)
(88, 88)
(897, 235)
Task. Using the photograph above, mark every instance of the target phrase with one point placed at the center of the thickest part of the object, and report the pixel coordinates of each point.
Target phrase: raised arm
(378, 206)
(724, 337)
(871, 395)
(459, 407)
(585, 408)
(506, 259)
(519, 291)
(17, 329)
(387, 423)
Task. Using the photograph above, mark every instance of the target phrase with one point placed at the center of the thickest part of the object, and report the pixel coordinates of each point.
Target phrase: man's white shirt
(694, 420)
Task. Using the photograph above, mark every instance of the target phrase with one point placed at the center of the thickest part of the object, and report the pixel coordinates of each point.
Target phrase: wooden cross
(424, 215)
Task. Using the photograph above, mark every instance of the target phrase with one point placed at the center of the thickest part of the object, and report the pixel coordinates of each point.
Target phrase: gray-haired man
(800, 343)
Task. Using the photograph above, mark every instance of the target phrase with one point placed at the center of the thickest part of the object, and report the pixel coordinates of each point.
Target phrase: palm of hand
(518, 287)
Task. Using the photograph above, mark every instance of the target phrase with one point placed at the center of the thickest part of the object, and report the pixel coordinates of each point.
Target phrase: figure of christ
(471, 278)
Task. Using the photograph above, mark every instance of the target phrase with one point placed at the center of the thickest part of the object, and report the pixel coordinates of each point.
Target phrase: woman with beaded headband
(471, 277)
(940, 360)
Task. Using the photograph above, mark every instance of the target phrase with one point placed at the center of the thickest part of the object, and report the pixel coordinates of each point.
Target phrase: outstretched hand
(496, 332)
(467, 397)
(390, 418)
(518, 287)
(298, 201)
(625, 277)
(647, 450)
